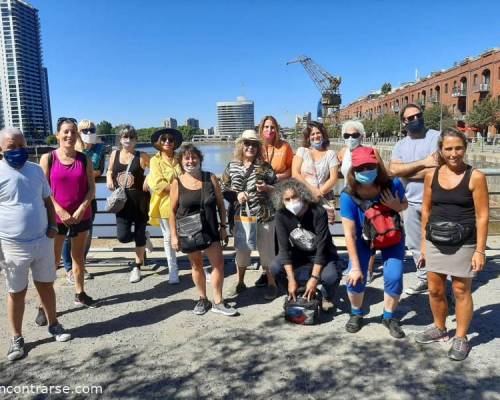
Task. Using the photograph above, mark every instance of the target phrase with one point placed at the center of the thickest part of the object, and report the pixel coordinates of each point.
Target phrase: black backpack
(303, 311)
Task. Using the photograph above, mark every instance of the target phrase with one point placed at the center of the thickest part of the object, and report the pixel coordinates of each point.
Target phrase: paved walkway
(144, 342)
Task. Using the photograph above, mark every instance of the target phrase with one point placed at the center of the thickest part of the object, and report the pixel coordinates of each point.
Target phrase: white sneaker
(208, 273)
(135, 275)
(149, 244)
(173, 275)
(59, 333)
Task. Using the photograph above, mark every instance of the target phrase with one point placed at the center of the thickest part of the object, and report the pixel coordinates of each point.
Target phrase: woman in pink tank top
(71, 179)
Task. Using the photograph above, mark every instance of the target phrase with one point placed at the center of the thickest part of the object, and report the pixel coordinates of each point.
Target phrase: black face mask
(416, 126)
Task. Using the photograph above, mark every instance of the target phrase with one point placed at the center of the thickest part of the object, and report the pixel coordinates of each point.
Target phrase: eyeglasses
(250, 143)
(413, 117)
(62, 120)
(87, 131)
(167, 139)
(354, 135)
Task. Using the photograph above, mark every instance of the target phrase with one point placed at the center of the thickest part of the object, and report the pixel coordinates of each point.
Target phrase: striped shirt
(260, 203)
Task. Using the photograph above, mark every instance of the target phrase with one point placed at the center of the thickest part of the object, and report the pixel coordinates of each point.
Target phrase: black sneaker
(354, 324)
(41, 319)
(262, 281)
(394, 328)
(202, 306)
(459, 349)
(16, 349)
(82, 299)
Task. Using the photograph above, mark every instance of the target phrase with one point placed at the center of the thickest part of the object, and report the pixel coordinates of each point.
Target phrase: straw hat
(248, 134)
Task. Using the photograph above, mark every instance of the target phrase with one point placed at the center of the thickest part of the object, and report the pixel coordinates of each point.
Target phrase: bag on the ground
(382, 227)
(303, 239)
(245, 230)
(448, 233)
(303, 311)
(192, 236)
(116, 200)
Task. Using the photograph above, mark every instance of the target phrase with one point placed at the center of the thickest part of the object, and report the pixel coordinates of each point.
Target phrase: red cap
(363, 155)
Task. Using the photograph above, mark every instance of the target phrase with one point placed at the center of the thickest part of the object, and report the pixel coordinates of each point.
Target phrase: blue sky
(140, 61)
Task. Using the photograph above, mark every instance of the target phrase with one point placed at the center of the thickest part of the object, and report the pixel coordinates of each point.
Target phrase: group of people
(48, 210)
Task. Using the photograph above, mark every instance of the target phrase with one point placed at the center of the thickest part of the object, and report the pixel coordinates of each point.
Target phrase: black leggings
(124, 230)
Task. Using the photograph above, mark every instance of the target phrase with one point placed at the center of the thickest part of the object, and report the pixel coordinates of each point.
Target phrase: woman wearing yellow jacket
(163, 170)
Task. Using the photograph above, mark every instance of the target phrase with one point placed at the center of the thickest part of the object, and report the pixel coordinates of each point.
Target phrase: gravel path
(145, 342)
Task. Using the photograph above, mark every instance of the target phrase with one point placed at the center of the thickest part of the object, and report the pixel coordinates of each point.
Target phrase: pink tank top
(69, 184)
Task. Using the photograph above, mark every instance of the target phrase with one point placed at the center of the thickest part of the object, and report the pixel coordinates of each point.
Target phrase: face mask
(317, 145)
(415, 126)
(192, 169)
(16, 158)
(366, 177)
(268, 135)
(352, 143)
(128, 143)
(294, 206)
(90, 138)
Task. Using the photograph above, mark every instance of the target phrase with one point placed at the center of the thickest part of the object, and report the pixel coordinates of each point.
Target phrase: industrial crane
(327, 84)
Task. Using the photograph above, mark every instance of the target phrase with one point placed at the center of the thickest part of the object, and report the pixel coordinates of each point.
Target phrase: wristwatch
(315, 277)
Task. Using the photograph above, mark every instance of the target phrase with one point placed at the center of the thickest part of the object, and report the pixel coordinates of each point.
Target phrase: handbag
(303, 311)
(302, 239)
(190, 228)
(448, 233)
(245, 230)
(117, 199)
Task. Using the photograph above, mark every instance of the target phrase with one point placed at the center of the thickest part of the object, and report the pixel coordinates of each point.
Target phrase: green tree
(51, 140)
(369, 125)
(188, 132)
(144, 134)
(387, 125)
(333, 130)
(432, 116)
(386, 88)
(105, 130)
(484, 114)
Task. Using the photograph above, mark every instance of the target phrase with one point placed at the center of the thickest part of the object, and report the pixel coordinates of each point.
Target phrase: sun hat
(249, 134)
(363, 155)
(167, 131)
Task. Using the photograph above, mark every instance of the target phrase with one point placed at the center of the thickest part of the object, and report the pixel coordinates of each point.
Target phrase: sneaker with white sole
(208, 273)
(149, 245)
(419, 288)
(59, 333)
(82, 299)
(173, 275)
(224, 309)
(135, 275)
(202, 306)
(70, 278)
(16, 349)
(431, 334)
(459, 349)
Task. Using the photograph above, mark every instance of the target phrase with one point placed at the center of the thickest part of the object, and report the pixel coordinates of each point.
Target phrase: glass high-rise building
(23, 79)
(233, 117)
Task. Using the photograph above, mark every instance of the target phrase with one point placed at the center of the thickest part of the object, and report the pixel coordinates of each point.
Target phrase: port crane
(327, 84)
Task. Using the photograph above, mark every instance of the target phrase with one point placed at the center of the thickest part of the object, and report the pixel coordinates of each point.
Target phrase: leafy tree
(369, 125)
(144, 134)
(333, 130)
(51, 140)
(387, 125)
(386, 88)
(105, 130)
(485, 114)
(188, 132)
(432, 115)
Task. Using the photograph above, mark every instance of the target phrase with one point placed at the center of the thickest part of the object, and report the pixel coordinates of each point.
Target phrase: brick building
(459, 88)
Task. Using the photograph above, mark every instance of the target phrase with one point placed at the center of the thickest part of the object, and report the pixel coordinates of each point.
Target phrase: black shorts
(73, 230)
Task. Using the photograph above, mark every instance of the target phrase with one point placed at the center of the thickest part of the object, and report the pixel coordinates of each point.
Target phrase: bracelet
(480, 252)
(315, 277)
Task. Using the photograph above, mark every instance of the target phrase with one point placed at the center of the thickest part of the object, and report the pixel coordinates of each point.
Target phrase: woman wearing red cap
(368, 184)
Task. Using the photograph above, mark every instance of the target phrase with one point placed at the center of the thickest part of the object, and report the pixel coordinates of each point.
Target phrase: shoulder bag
(116, 200)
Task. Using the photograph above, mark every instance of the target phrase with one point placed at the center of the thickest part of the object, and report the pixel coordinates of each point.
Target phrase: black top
(453, 205)
(315, 220)
(190, 203)
(137, 205)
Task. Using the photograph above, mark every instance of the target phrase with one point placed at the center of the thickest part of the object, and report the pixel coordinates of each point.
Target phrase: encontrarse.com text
(44, 389)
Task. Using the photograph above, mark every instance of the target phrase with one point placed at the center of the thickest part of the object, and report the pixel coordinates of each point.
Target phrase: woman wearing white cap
(249, 179)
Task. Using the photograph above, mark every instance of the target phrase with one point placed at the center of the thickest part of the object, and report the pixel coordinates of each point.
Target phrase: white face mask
(352, 143)
(90, 138)
(295, 207)
(192, 169)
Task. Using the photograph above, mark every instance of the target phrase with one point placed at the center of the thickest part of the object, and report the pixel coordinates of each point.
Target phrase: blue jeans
(393, 258)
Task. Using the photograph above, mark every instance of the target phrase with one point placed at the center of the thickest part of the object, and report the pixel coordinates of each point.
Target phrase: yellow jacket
(160, 177)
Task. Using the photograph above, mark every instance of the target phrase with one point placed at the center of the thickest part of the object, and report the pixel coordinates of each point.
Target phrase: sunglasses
(87, 131)
(354, 135)
(128, 136)
(167, 139)
(250, 143)
(413, 117)
(62, 120)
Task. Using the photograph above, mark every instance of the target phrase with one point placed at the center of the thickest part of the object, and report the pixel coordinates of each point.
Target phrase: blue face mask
(317, 145)
(16, 158)
(416, 126)
(366, 177)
